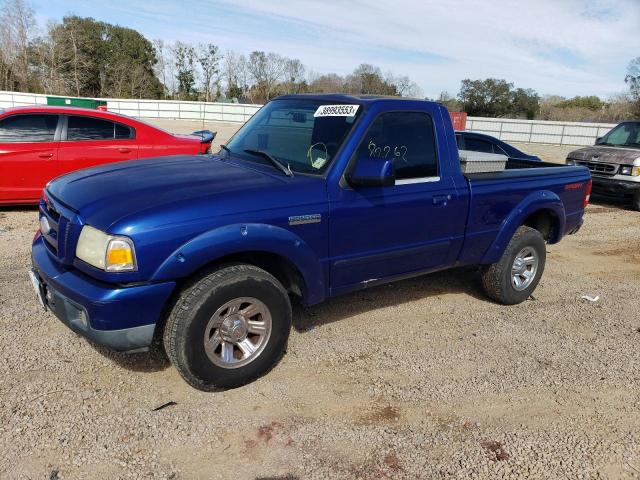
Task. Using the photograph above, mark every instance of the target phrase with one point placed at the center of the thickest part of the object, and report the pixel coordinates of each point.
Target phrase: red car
(39, 143)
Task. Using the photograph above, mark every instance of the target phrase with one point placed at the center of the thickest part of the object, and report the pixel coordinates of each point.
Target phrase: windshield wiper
(274, 161)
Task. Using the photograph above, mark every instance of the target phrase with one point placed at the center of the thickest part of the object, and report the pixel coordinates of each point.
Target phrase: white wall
(539, 131)
(528, 131)
(169, 109)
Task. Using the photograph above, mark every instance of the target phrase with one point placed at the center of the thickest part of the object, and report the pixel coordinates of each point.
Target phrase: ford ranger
(614, 162)
(315, 196)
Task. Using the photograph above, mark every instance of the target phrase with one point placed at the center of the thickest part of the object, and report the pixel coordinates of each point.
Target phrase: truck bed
(496, 196)
(522, 169)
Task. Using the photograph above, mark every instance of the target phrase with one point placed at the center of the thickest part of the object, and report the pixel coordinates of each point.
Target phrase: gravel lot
(420, 379)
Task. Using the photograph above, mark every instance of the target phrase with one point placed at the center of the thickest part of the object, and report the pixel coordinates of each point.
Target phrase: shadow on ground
(613, 202)
(460, 280)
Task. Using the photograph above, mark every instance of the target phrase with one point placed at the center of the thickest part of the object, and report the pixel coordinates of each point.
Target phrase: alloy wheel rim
(524, 268)
(237, 332)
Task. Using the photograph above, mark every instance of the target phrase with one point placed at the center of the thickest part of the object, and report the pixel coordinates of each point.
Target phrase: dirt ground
(424, 378)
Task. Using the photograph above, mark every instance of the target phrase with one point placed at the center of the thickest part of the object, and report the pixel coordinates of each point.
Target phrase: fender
(540, 200)
(245, 237)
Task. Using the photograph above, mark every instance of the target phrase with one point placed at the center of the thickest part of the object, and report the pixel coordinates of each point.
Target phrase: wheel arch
(541, 210)
(276, 250)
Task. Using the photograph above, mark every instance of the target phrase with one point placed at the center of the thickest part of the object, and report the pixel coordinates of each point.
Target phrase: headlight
(107, 252)
(629, 170)
(570, 161)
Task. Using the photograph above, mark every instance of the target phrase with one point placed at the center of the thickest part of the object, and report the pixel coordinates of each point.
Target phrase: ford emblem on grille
(45, 228)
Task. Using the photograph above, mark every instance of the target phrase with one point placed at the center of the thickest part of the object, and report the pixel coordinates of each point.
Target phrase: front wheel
(228, 328)
(515, 276)
(635, 202)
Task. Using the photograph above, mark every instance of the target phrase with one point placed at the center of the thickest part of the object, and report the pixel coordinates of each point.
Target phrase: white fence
(528, 131)
(539, 131)
(169, 109)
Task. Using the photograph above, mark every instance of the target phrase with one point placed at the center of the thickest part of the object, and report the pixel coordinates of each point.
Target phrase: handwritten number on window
(382, 152)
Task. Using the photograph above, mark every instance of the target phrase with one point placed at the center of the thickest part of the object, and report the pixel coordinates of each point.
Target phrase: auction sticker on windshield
(336, 111)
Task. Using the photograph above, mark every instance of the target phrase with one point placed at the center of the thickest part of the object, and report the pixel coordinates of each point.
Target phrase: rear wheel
(228, 328)
(515, 276)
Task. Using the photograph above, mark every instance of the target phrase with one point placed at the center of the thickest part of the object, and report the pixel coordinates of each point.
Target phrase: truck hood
(605, 154)
(106, 194)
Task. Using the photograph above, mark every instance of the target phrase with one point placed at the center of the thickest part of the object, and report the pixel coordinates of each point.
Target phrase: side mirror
(372, 172)
(598, 140)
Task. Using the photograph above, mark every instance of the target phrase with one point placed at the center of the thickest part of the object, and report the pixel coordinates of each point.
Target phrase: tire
(203, 336)
(499, 279)
(635, 202)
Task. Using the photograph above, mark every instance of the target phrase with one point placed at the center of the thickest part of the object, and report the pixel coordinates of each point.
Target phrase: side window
(88, 128)
(476, 145)
(459, 141)
(408, 139)
(28, 128)
(124, 132)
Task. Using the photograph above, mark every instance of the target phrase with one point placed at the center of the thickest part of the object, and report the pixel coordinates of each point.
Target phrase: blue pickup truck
(315, 196)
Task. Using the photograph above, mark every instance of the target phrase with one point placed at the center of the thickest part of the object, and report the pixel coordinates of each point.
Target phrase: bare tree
(267, 70)
(404, 85)
(328, 83)
(236, 75)
(17, 25)
(185, 56)
(294, 73)
(209, 61)
(164, 68)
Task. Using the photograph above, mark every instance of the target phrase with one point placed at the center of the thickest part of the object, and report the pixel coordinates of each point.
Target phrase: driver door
(413, 226)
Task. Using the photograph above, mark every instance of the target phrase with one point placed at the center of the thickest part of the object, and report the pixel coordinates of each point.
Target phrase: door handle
(46, 155)
(441, 199)
(124, 150)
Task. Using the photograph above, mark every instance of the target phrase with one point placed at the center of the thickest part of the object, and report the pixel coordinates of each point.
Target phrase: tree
(266, 70)
(235, 75)
(591, 103)
(328, 83)
(185, 66)
(367, 79)
(209, 60)
(164, 67)
(486, 98)
(525, 102)
(294, 72)
(130, 61)
(452, 104)
(17, 24)
(633, 80)
(404, 86)
(85, 57)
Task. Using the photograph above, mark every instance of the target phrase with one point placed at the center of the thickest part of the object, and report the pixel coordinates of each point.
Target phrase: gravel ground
(420, 379)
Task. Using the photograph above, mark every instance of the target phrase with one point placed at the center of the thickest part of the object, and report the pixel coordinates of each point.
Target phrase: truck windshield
(626, 134)
(302, 134)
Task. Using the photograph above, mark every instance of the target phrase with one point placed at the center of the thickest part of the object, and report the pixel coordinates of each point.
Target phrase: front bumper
(122, 318)
(610, 186)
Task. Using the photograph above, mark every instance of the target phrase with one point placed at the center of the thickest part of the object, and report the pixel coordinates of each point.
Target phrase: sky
(560, 47)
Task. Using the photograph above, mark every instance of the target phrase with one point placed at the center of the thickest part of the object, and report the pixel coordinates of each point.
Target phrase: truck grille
(600, 168)
(59, 228)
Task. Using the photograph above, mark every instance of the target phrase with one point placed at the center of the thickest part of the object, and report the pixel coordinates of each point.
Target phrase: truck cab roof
(357, 99)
